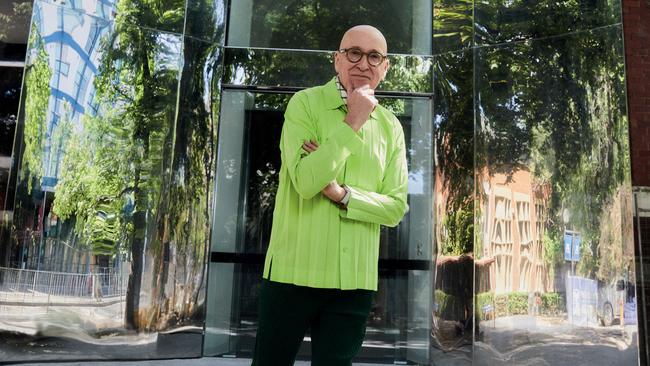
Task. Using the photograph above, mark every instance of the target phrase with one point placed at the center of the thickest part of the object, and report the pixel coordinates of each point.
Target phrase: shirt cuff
(344, 201)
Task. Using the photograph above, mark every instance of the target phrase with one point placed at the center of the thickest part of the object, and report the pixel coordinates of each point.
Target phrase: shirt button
(345, 250)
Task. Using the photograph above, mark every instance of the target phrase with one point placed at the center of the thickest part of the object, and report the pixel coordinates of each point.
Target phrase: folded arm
(388, 206)
(313, 172)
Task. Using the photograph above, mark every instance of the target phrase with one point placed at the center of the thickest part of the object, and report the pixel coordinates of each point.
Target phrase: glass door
(248, 164)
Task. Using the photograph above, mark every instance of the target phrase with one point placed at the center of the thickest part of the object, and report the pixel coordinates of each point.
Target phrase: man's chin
(357, 82)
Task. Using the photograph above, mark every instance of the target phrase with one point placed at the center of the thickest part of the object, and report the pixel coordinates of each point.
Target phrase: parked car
(611, 298)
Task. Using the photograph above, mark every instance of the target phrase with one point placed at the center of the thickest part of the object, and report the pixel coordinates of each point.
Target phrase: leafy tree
(37, 89)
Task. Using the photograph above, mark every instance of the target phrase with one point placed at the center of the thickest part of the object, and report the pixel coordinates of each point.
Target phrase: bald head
(367, 33)
(366, 39)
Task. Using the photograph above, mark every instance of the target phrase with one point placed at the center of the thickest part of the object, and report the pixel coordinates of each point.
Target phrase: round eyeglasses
(354, 55)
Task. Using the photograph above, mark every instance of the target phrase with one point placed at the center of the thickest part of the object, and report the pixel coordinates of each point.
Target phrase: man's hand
(361, 102)
(333, 190)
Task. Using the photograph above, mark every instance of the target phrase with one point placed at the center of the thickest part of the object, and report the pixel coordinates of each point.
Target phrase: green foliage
(453, 24)
(449, 306)
(553, 248)
(13, 21)
(481, 300)
(37, 90)
(552, 303)
(93, 176)
(319, 24)
(458, 229)
(517, 303)
(512, 303)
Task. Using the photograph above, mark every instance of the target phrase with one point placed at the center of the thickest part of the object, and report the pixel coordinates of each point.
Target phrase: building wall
(636, 25)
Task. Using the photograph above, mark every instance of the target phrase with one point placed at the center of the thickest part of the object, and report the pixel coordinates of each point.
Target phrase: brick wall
(636, 23)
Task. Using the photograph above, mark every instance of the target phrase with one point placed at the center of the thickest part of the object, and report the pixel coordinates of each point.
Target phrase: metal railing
(25, 285)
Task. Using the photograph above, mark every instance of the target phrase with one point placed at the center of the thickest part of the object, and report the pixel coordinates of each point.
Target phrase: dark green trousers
(337, 319)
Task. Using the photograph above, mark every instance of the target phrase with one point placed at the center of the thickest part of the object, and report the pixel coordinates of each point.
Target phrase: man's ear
(386, 67)
(335, 60)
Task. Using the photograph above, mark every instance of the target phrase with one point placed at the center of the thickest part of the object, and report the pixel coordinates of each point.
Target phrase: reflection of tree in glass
(91, 182)
(12, 22)
(138, 79)
(307, 69)
(499, 22)
(37, 90)
(319, 24)
(452, 24)
(557, 108)
(454, 116)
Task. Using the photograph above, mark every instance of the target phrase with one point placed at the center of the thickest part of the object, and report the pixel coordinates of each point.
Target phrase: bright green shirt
(314, 242)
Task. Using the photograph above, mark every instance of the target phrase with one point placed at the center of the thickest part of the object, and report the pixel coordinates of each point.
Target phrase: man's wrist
(356, 126)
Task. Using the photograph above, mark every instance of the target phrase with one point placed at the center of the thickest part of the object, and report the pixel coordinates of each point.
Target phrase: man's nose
(363, 63)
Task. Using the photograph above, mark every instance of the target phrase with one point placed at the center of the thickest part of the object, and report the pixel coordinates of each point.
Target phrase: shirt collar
(337, 97)
(341, 89)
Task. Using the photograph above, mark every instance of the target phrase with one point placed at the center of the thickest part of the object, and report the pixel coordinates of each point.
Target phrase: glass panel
(166, 15)
(453, 25)
(498, 21)
(14, 17)
(206, 20)
(10, 80)
(108, 246)
(454, 138)
(246, 179)
(554, 203)
(300, 69)
(642, 245)
(319, 24)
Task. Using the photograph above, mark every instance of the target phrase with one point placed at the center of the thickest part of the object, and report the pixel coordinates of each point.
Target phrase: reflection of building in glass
(513, 232)
(71, 43)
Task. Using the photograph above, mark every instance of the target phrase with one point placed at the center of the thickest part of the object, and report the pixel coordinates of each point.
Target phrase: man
(343, 175)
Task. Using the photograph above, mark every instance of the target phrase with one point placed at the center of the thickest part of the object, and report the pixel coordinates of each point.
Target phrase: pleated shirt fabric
(315, 242)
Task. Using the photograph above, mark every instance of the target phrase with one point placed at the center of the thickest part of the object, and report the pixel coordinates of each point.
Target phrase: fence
(25, 285)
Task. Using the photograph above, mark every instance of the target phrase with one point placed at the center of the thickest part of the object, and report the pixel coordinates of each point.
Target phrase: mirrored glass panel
(554, 203)
(248, 165)
(294, 70)
(642, 245)
(206, 20)
(166, 15)
(319, 24)
(454, 207)
(106, 257)
(498, 21)
(453, 25)
(14, 17)
(10, 84)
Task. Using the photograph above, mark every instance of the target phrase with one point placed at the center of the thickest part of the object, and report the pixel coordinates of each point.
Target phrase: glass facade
(145, 165)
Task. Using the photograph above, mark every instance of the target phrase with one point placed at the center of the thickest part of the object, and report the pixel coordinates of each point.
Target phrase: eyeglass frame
(366, 54)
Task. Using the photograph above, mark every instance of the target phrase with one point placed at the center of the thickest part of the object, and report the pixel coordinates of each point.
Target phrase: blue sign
(571, 246)
(567, 246)
(487, 308)
(576, 248)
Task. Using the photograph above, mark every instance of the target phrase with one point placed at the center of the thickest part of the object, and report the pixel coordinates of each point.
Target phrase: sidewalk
(206, 361)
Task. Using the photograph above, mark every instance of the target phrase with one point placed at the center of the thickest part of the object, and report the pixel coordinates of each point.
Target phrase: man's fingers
(310, 146)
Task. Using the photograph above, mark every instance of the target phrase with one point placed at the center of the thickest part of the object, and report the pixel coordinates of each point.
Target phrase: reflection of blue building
(71, 43)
